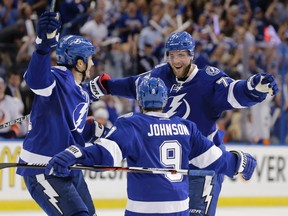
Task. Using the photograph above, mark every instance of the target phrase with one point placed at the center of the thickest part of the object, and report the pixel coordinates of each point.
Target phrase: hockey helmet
(152, 93)
(180, 41)
(72, 47)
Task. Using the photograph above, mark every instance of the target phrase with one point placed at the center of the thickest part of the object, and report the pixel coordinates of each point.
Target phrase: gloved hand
(93, 130)
(98, 85)
(48, 27)
(60, 163)
(261, 84)
(246, 164)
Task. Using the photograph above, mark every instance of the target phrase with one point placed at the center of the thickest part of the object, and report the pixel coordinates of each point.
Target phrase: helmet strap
(82, 72)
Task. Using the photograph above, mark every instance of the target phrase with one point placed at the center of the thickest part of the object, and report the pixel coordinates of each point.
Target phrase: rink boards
(268, 186)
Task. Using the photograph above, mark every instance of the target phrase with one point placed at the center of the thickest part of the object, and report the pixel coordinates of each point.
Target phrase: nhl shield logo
(212, 71)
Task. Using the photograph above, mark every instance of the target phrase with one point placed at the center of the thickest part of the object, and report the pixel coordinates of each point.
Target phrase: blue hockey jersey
(201, 98)
(154, 140)
(58, 116)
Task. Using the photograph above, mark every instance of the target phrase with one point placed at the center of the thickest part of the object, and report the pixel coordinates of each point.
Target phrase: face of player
(180, 62)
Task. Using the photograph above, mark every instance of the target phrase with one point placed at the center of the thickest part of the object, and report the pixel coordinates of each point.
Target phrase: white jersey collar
(157, 114)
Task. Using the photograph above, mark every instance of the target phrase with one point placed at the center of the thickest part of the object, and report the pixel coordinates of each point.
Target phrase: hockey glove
(48, 27)
(262, 84)
(246, 164)
(98, 86)
(60, 163)
(93, 130)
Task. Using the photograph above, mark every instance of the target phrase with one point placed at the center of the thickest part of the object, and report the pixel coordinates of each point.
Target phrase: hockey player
(58, 118)
(199, 95)
(155, 140)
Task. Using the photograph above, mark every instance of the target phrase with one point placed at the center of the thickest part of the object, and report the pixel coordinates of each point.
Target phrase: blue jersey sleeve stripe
(207, 158)
(113, 149)
(231, 97)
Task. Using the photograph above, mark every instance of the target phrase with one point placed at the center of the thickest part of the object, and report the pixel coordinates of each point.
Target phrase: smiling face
(180, 61)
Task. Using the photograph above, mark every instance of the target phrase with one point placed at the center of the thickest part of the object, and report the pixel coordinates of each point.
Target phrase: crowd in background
(241, 37)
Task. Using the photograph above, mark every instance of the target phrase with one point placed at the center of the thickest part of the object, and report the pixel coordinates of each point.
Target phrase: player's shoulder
(160, 70)
(178, 119)
(129, 119)
(126, 115)
(211, 72)
(61, 72)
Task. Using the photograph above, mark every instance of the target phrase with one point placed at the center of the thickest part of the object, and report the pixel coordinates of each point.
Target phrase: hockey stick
(18, 120)
(52, 8)
(111, 168)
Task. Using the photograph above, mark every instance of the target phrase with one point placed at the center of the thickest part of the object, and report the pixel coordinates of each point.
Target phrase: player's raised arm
(103, 85)
(231, 94)
(38, 75)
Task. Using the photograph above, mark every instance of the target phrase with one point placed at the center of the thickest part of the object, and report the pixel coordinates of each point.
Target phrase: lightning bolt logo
(79, 116)
(207, 192)
(175, 104)
(49, 191)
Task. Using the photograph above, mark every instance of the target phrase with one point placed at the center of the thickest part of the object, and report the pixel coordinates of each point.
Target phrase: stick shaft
(52, 9)
(18, 120)
(111, 168)
(52, 6)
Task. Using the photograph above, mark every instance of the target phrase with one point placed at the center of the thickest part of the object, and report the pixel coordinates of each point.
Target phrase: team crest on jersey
(79, 116)
(178, 103)
(212, 71)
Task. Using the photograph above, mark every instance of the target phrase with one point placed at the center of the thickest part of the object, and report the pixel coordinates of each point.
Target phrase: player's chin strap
(82, 72)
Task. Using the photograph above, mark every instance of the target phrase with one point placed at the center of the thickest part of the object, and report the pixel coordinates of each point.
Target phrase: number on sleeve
(223, 80)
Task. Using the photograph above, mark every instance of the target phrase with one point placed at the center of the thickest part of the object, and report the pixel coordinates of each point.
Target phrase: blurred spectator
(8, 13)
(253, 66)
(117, 59)
(146, 60)
(152, 34)
(9, 110)
(38, 6)
(261, 23)
(24, 53)
(130, 22)
(261, 122)
(234, 130)
(95, 29)
(15, 89)
(73, 15)
(110, 103)
(101, 115)
(201, 57)
(276, 124)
